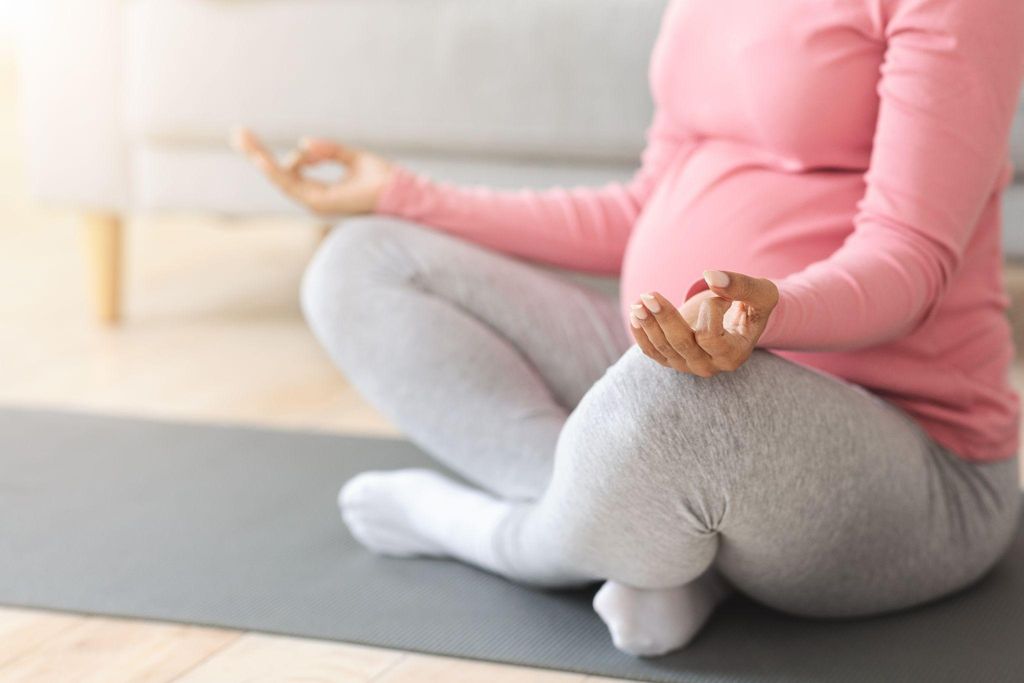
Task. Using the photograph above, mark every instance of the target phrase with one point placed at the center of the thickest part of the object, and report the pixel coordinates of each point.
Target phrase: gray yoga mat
(237, 527)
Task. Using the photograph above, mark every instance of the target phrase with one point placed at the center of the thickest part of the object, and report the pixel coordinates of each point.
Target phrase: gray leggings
(806, 492)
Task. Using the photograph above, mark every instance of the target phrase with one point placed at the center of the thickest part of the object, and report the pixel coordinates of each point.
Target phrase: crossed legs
(805, 492)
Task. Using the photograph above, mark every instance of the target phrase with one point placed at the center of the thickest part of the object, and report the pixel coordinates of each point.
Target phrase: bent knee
(351, 259)
(642, 411)
(675, 437)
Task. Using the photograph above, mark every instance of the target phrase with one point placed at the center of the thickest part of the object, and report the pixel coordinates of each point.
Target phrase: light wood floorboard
(259, 658)
(102, 650)
(22, 630)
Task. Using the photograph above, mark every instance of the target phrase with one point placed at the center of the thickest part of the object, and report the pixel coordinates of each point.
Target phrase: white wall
(9, 13)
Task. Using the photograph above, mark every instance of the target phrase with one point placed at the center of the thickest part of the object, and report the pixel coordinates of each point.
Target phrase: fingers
(296, 161)
(305, 191)
(245, 141)
(713, 344)
(294, 185)
(710, 329)
(676, 332)
(759, 292)
(709, 348)
(727, 350)
(670, 335)
(644, 342)
(656, 339)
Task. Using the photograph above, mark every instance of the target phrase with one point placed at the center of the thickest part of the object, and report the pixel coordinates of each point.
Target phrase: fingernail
(292, 158)
(639, 311)
(306, 142)
(716, 278)
(634, 322)
(651, 302)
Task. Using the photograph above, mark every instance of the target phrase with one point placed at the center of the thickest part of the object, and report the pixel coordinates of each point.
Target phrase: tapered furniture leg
(323, 231)
(104, 249)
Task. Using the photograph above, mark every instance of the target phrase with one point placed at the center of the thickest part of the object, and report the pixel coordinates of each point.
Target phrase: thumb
(757, 291)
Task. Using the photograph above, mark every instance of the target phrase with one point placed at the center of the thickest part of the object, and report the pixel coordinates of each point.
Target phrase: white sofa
(127, 103)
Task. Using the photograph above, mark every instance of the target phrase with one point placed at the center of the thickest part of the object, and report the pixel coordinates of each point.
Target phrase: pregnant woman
(803, 394)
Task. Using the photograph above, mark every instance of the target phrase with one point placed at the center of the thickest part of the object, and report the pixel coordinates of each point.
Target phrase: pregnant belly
(723, 209)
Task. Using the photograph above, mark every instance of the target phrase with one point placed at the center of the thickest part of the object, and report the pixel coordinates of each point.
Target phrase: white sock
(405, 513)
(649, 623)
(412, 512)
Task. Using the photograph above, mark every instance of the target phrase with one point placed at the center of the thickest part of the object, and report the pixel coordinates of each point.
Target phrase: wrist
(775, 325)
(383, 183)
(389, 197)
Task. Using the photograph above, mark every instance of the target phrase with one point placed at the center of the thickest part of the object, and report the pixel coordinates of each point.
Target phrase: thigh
(568, 332)
(808, 493)
(847, 507)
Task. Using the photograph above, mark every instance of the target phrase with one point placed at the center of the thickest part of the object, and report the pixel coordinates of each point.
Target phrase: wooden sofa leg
(323, 232)
(103, 238)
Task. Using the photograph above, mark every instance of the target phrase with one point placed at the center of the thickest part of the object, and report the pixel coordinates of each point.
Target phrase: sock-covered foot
(412, 512)
(649, 623)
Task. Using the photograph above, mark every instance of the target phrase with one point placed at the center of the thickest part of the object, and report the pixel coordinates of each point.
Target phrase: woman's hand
(355, 192)
(714, 332)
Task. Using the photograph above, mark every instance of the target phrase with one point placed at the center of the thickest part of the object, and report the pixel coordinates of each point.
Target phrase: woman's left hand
(713, 332)
(356, 192)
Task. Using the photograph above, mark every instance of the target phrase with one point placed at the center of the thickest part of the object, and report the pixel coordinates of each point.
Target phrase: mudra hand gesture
(356, 192)
(714, 331)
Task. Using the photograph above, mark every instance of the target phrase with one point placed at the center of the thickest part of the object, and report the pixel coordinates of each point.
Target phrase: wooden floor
(213, 333)
(40, 647)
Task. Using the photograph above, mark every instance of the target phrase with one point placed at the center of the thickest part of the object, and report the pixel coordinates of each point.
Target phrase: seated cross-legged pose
(803, 393)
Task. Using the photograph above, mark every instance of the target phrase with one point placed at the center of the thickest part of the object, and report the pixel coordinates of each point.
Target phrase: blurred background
(209, 326)
(146, 268)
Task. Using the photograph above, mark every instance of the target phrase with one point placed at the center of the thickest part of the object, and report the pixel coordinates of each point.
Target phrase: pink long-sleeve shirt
(853, 151)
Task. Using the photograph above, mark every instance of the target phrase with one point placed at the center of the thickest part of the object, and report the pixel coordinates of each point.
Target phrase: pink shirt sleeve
(949, 88)
(579, 228)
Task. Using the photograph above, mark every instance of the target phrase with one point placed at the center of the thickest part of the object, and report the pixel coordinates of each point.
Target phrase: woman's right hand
(356, 192)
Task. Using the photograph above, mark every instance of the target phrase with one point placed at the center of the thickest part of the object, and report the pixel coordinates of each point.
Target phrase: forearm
(869, 292)
(580, 228)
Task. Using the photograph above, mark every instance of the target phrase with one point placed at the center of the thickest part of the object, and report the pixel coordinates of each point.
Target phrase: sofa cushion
(534, 78)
